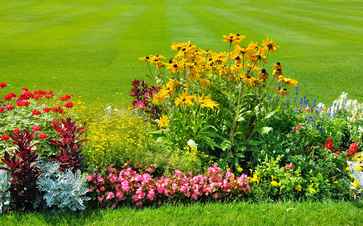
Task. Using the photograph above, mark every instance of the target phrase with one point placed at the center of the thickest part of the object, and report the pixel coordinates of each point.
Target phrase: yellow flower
(336, 182)
(312, 191)
(356, 184)
(347, 169)
(269, 45)
(298, 187)
(206, 101)
(359, 168)
(234, 38)
(351, 176)
(228, 169)
(184, 99)
(282, 92)
(163, 121)
(275, 184)
(239, 169)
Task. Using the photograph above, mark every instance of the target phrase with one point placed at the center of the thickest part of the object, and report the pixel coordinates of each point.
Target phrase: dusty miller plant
(5, 184)
(63, 189)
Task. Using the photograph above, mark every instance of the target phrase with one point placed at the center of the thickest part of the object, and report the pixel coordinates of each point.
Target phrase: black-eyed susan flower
(163, 121)
(233, 38)
(281, 92)
(184, 99)
(269, 45)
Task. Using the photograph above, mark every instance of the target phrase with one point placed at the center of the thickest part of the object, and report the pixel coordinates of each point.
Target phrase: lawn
(242, 213)
(90, 48)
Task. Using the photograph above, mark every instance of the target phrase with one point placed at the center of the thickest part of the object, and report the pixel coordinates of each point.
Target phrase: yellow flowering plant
(219, 100)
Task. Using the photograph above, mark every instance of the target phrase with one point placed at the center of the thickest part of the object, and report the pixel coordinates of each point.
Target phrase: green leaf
(225, 145)
(266, 130)
(255, 142)
(240, 155)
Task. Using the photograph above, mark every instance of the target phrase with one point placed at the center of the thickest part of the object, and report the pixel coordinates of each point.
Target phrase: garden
(202, 133)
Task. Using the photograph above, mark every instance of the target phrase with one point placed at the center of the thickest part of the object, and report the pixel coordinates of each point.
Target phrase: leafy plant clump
(63, 189)
(23, 169)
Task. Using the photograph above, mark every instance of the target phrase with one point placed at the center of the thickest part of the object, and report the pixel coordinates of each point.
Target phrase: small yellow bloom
(351, 176)
(163, 121)
(347, 169)
(336, 182)
(239, 169)
(228, 169)
(312, 191)
(356, 184)
(275, 184)
(298, 187)
(359, 168)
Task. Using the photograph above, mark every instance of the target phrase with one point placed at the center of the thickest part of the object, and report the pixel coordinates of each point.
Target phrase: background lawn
(90, 48)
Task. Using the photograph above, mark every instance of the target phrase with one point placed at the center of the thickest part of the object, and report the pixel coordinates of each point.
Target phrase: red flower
(9, 107)
(3, 85)
(298, 127)
(42, 136)
(66, 97)
(337, 152)
(22, 103)
(47, 109)
(5, 137)
(25, 89)
(36, 128)
(69, 104)
(289, 166)
(2, 109)
(36, 112)
(352, 149)
(9, 96)
(58, 109)
(26, 96)
(329, 144)
(320, 146)
(55, 123)
(16, 131)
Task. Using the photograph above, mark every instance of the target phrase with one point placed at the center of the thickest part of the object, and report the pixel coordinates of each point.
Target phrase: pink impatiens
(130, 186)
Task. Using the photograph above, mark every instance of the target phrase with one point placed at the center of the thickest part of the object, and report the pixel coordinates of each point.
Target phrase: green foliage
(62, 189)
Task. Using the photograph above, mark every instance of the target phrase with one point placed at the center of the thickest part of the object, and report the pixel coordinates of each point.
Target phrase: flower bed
(211, 126)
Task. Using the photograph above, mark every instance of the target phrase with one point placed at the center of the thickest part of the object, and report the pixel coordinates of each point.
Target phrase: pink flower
(113, 179)
(89, 177)
(110, 195)
(36, 112)
(5, 137)
(119, 195)
(90, 190)
(151, 194)
(36, 128)
(125, 186)
(100, 199)
(112, 170)
(42, 136)
(140, 104)
(16, 131)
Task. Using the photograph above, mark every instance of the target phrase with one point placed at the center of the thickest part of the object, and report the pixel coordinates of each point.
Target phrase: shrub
(218, 100)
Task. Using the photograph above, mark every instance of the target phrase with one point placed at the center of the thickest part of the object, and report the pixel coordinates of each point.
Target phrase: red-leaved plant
(69, 156)
(22, 166)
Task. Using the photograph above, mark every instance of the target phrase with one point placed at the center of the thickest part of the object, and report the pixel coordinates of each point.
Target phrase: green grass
(90, 47)
(240, 213)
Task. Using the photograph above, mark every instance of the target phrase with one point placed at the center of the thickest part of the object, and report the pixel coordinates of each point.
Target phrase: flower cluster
(128, 185)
